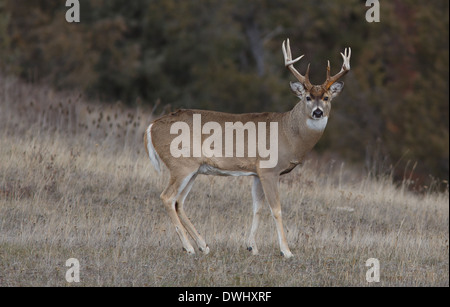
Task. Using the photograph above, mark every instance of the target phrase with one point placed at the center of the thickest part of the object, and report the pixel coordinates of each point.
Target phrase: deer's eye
(308, 98)
(325, 98)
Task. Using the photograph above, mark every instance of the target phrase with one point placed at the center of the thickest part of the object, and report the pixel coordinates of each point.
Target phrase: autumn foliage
(226, 56)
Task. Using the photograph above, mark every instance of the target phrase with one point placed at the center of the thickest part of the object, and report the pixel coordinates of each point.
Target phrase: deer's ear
(298, 89)
(336, 88)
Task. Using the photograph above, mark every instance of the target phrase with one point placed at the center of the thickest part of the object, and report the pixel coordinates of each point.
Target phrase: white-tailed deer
(219, 148)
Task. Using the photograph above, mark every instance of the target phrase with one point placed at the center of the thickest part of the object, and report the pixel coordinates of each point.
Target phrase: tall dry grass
(77, 184)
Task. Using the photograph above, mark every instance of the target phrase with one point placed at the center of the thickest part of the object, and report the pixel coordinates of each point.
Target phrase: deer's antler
(289, 63)
(345, 68)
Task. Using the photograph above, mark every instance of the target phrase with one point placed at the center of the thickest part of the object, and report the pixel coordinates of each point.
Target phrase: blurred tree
(226, 56)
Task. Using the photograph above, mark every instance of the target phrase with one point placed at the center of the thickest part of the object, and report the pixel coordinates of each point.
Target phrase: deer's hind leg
(170, 196)
(185, 220)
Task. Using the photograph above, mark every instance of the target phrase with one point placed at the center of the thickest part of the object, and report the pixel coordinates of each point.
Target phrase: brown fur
(298, 131)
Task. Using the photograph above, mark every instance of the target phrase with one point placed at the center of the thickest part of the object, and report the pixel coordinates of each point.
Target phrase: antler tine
(328, 70)
(345, 69)
(307, 73)
(288, 62)
(289, 54)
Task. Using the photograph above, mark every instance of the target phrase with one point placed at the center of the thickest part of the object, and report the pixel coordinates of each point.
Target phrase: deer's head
(316, 99)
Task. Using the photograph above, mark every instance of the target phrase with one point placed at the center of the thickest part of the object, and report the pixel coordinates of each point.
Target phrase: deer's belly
(206, 169)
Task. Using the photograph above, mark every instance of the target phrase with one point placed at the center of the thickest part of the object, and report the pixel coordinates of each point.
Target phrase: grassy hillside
(75, 183)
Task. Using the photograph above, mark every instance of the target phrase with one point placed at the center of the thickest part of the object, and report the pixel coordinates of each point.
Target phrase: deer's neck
(302, 131)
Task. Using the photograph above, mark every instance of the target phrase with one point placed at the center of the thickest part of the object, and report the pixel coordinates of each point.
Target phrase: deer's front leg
(258, 200)
(270, 187)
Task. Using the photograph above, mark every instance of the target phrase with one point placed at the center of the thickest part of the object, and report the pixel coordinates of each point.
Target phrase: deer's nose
(317, 113)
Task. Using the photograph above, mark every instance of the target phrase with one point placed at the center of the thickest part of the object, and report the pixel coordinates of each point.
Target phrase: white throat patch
(317, 124)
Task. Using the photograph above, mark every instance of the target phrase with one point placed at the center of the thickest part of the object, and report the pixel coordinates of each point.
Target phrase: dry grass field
(75, 182)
